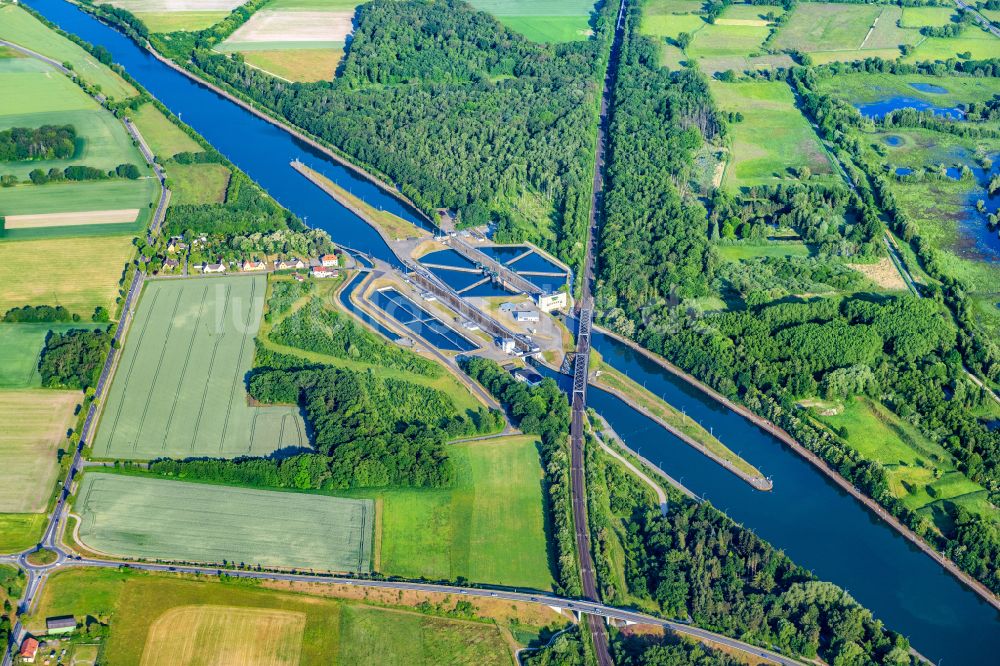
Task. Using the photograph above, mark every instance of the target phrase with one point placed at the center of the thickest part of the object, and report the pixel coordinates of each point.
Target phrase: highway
(979, 18)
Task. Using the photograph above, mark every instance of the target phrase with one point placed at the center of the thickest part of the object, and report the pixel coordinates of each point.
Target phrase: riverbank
(678, 424)
(985, 593)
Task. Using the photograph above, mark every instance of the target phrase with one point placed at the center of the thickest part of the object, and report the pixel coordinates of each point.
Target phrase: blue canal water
(419, 321)
(806, 515)
(536, 263)
(884, 106)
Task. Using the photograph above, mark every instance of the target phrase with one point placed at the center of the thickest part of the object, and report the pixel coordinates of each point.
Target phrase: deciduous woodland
(458, 110)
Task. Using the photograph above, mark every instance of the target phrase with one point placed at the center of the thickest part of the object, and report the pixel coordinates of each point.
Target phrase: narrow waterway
(816, 523)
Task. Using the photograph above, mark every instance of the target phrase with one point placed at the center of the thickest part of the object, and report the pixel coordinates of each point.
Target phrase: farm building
(324, 272)
(62, 624)
(29, 648)
(526, 315)
(329, 260)
(287, 264)
(549, 302)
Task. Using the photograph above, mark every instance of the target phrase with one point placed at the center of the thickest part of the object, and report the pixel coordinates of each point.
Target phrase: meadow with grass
(198, 183)
(145, 612)
(20, 347)
(180, 386)
(149, 518)
(20, 27)
(543, 20)
(165, 138)
(773, 139)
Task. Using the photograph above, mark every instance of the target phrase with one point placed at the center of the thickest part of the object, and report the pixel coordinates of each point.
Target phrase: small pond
(929, 88)
(882, 107)
(893, 140)
(903, 171)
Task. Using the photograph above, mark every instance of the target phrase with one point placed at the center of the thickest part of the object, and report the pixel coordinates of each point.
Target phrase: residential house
(288, 264)
(324, 272)
(252, 265)
(170, 264)
(329, 260)
(214, 268)
(29, 648)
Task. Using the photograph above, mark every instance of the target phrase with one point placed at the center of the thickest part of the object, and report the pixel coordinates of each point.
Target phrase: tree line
(48, 142)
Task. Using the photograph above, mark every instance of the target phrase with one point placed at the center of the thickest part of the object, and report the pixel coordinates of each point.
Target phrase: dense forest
(73, 360)
(653, 244)
(366, 431)
(48, 142)
(458, 110)
(541, 410)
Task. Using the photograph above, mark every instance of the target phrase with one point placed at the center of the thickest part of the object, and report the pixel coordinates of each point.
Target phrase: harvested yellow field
(225, 636)
(77, 273)
(294, 26)
(757, 23)
(883, 273)
(299, 65)
(35, 424)
(40, 220)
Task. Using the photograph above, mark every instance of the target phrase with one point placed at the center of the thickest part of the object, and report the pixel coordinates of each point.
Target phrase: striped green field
(150, 518)
(20, 27)
(179, 388)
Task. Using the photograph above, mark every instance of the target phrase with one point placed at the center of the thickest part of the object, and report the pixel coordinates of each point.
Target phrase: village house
(288, 264)
(251, 265)
(214, 268)
(170, 264)
(329, 260)
(29, 648)
(323, 272)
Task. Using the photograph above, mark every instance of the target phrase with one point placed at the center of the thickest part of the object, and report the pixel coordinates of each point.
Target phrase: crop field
(835, 27)
(174, 15)
(198, 183)
(20, 27)
(489, 527)
(164, 138)
(20, 347)
(543, 20)
(773, 136)
(155, 518)
(416, 639)
(94, 263)
(302, 65)
(147, 608)
(35, 424)
(179, 388)
(188, 635)
(727, 40)
(669, 26)
(88, 201)
(20, 531)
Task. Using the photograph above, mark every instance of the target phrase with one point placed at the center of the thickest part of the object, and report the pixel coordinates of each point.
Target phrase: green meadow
(489, 527)
(773, 138)
(20, 347)
(197, 183)
(543, 20)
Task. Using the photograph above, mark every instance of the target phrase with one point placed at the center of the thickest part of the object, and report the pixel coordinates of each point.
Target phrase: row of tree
(48, 142)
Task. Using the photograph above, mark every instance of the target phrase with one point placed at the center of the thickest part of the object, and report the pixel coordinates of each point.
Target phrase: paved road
(34, 54)
(979, 18)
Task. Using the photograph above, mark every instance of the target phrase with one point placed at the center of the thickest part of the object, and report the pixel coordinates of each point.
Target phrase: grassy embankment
(611, 379)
